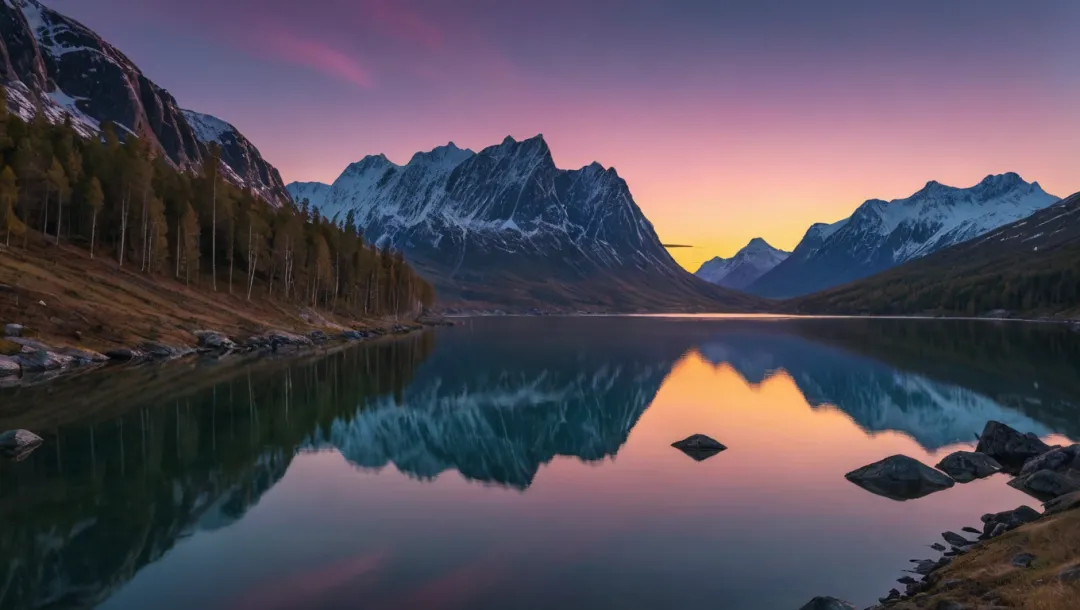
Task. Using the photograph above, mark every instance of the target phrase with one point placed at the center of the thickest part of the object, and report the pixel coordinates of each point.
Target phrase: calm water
(518, 463)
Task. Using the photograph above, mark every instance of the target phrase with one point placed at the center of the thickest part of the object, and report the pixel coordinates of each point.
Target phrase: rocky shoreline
(25, 359)
(1048, 474)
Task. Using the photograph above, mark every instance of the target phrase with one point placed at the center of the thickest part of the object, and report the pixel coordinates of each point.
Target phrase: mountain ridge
(754, 260)
(505, 227)
(880, 234)
(51, 62)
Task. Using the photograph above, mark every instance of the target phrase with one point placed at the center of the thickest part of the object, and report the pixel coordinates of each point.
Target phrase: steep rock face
(755, 260)
(506, 227)
(53, 62)
(240, 156)
(881, 235)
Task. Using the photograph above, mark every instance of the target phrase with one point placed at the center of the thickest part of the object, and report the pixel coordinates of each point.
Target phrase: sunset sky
(729, 120)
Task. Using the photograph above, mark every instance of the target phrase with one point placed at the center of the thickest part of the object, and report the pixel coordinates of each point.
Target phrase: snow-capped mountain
(506, 227)
(53, 62)
(883, 234)
(755, 260)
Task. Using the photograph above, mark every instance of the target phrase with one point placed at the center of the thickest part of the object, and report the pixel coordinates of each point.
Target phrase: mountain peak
(508, 140)
(448, 156)
(758, 244)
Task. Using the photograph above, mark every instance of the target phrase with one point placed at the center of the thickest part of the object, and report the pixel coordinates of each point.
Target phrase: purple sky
(729, 120)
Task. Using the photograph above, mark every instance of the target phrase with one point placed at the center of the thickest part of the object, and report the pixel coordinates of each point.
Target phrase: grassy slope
(990, 580)
(112, 306)
(974, 277)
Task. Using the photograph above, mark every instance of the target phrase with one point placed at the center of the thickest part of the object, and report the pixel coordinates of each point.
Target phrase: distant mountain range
(1028, 267)
(755, 260)
(881, 235)
(506, 228)
(53, 63)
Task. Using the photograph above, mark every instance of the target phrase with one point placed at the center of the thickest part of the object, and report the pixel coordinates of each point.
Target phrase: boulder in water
(9, 367)
(40, 361)
(900, 477)
(827, 603)
(1058, 459)
(1047, 484)
(1063, 503)
(1009, 447)
(17, 444)
(699, 446)
(13, 330)
(966, 466)
(1007, 520)
(124, 354)
(214, 340)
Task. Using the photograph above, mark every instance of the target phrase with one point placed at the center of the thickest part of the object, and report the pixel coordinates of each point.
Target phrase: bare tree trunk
(254, 257)
(124, 205)
(93, 230)
(177, 274)
(59, 216)
(213, 233)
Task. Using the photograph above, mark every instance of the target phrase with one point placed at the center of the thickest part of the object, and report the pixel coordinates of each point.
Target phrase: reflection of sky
(769, 523)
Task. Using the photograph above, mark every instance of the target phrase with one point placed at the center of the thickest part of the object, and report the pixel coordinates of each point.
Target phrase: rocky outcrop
(1046, 484)
(214, 340)
(900, 477)
(827, 603)
(966, 466)
(1010, 448)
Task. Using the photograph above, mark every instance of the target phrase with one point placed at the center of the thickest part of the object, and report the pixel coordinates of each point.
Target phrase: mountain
(883, 234)
(53, 62)
(755, 260)
(506, 228)
(1026, 267)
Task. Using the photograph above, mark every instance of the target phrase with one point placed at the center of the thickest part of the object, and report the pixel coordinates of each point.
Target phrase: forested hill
(1028, 268)
(115, 198)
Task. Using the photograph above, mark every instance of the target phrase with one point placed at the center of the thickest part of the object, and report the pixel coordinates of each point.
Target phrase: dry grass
(989, 579)
(68, 299)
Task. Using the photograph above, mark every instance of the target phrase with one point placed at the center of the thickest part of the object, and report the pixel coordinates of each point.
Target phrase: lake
(519, 463)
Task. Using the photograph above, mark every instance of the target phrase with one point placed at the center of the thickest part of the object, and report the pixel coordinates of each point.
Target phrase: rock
(906, 580)
(900, 477)
(925, 567)
(699, 446)
(13, 330)
(32, 344)
(970, 530)
(124, 354)
(1062, 503)
(1058, 459)
(84, 356)
(1008, 520)
(39, 361)
(353, 335)
(956, 539)
(160, 351)
(937, 546)
(317, 336)
(277, 339)
(17, 444)
(1070, 574)
(214, 340)
(9, 367)
(893, 594)
(966, 466)
(951, 584)
(949, 605)
(827, 603)
(1023, 560)
(1046, 484)
(1008, 447)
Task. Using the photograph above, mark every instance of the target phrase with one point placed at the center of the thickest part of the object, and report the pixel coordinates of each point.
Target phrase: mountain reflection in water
(137, 460)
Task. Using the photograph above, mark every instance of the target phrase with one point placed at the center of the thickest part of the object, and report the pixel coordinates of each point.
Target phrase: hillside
(1029, 268)
(504, 228)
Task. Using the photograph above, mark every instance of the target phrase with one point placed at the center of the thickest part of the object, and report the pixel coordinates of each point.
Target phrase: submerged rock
(900, 477)
(966, 466)
(17, 444)
(827, 603)
(1009, 447)
(699, 446)
(956, 540)
(1046, 484)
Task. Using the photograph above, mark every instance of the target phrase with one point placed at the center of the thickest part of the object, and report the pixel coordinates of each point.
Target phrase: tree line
(116, 196)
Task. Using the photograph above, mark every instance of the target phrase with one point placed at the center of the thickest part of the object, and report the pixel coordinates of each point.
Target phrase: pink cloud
(319, 56)
(396, 20)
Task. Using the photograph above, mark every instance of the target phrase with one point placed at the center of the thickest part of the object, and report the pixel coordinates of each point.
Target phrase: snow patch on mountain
(883, 234)
(207, 128)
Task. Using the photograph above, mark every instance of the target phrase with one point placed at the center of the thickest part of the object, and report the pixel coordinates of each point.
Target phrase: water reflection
(136, 461)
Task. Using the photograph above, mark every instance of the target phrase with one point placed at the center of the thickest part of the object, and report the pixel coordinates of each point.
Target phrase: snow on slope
(754, 260)
(883, 234)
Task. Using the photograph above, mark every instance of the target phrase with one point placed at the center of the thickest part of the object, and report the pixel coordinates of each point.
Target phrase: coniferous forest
(115, 197)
